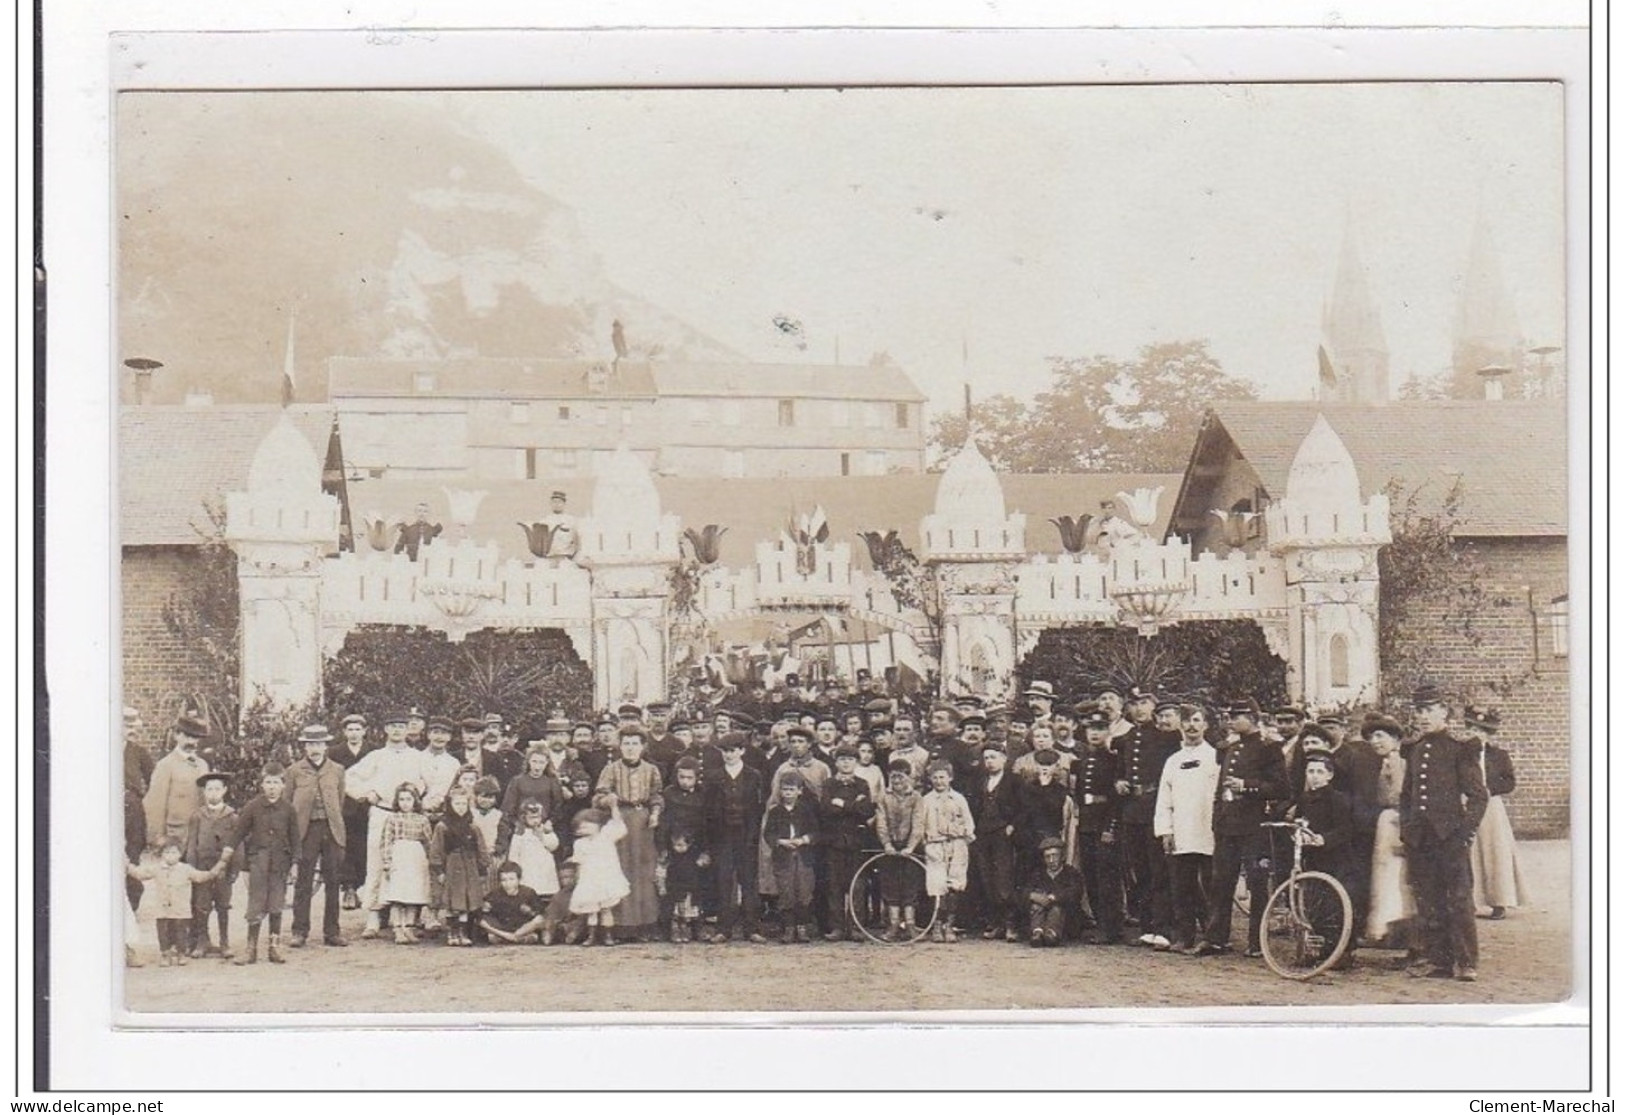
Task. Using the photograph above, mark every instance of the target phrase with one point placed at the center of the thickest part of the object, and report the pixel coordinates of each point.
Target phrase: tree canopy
(1101, 414)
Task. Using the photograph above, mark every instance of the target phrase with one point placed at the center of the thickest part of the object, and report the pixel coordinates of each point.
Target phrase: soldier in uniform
(1440, 807)
(1099, 827)
(1141, 753)
(1251, 773)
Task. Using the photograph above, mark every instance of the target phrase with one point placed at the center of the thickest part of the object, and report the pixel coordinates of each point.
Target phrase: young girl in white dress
(600, 882)
(405, 884)
(532, 848)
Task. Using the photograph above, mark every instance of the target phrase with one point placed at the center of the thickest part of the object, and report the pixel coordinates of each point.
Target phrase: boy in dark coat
(995, 802)
(267, 834)
(790, 829)
(844, 811)
(734, 799)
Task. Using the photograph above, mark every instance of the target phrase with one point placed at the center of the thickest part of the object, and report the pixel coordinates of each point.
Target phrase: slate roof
(172, 459)
(1511, 455)
(483, 377)
(788, 381)
(355, 377)
(755, 510)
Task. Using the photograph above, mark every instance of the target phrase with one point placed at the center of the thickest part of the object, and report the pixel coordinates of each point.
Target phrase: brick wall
(1516, 647)
(159, 670)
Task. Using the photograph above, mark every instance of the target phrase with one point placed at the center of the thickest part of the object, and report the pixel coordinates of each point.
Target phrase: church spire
(1487, 333)
(1354, 351)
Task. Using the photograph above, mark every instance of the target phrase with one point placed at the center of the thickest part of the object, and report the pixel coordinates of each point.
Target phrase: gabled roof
(1511, 455)
(174, 460)
(484, 377)
(788, 381)
(755, 510)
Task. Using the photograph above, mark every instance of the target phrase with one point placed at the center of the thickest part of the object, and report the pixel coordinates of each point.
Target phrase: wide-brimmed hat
(315, 733)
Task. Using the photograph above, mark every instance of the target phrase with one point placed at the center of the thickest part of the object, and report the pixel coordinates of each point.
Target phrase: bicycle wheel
(906, 878)
(1307, 925)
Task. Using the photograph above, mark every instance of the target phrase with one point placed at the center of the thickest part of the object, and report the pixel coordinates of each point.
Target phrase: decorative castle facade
(1312, 588)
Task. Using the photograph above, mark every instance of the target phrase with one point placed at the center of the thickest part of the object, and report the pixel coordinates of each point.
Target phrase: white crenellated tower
(630, 546)
(975, 549)
(281, 528)
(1328, 538)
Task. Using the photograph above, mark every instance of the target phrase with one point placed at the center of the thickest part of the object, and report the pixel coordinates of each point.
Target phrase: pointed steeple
(1354, 353)
(1487, 333)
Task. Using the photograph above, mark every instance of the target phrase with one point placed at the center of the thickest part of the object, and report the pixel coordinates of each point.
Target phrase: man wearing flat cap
(1252, 773)
(173, 795)
(316, 790)
(1440, 807)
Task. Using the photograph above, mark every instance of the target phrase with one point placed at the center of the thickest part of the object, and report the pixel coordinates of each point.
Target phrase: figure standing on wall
(1111, 529)
(564, 540)
(416, 534)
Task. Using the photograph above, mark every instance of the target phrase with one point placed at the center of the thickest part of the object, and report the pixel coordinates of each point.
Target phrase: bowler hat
(214, 776)
(189, 725)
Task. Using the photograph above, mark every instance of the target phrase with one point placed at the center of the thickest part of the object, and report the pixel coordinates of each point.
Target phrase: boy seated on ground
(512, 914)
(1054, 897)
(559, 925)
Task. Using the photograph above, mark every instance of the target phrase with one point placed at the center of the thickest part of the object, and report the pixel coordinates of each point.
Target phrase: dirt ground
(1524, 959)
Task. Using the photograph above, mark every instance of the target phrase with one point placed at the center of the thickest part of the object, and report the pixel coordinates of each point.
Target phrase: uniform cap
(440, 724)
(354, 718)
(1486, 719)
(846, 751)
(1244, 706)
(1428, 695)
(396, 716)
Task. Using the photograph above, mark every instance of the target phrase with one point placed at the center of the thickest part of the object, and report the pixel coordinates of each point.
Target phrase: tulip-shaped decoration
(379, 531)
(1073, 531)
(706, 543)
(539, 537)
(1141, 506)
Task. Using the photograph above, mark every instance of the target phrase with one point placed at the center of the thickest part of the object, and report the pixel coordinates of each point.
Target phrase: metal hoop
(922, 927)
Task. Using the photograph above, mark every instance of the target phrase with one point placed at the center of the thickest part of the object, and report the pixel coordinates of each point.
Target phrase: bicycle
(1309, 919)
(870, 919)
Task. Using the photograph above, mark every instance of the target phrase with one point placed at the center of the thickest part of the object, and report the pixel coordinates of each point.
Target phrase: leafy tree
(1102, 414)
(1418, 387)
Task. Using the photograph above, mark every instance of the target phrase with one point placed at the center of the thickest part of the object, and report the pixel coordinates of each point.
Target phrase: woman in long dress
(1497, 883)
(636, 786)
(1391, 902)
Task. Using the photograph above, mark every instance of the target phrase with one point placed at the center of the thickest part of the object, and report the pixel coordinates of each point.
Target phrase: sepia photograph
(866, 549)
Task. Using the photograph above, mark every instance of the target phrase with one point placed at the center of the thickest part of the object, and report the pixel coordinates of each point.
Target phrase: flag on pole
(287, 367)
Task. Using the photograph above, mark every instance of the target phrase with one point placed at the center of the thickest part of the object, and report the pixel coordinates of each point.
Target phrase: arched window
(1337, 651)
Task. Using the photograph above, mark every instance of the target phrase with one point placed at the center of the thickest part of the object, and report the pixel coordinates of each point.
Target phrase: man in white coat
(374, 780)
(1184, 824)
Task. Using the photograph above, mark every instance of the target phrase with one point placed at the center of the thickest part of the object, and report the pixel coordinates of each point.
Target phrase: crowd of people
(1122, 818)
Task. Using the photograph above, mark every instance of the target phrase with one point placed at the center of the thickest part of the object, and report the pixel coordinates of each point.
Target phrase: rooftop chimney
(1494, 389)
(143, 367)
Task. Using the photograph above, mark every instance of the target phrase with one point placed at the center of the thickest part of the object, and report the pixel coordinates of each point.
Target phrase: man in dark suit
(1252, 773)
(316, 789)
(1099, 826)
(995, 801)
(734, 799)
(347, 752)
(1141, 753)
(1440, 806)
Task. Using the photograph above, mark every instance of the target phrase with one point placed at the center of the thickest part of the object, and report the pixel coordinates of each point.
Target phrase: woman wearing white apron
(1497, 883)
(1391, 902)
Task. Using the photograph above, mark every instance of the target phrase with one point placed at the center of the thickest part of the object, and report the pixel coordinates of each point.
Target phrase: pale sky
(1023, 223)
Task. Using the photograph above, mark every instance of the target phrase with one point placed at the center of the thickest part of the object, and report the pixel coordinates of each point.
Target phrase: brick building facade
(1510, 459)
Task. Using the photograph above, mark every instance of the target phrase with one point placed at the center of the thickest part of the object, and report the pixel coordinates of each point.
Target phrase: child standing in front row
(458, 855)
(172, 883)
(405, 885)
(532, 848)
(267, 834)
(600, 882)
(209, 836)
(949, 830)
(789, 829)
(900, 824)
